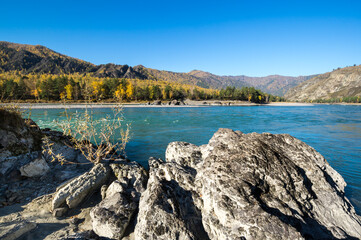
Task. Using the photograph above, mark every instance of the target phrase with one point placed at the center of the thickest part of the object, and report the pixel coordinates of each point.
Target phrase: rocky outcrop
(25, 172)
(246, 186)
(112, 215)
(238, 186)
(17, 136)
(176, 102)
(157, 102)
(171, 103)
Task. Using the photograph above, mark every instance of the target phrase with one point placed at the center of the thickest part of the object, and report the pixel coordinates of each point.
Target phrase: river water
(333, 130)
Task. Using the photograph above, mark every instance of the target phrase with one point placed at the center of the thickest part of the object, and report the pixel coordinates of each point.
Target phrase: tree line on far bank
(78, 87)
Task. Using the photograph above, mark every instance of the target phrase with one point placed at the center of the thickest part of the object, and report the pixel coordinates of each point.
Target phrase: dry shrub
(97, 140)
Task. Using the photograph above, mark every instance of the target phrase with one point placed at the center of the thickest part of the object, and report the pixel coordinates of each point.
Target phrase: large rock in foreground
(246, 186)
(112, 215)
(167, 209)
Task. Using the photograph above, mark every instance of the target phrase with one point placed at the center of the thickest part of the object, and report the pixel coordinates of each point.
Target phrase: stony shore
(238, 186)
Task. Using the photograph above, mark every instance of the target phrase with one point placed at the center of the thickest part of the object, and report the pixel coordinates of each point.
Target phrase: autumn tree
(130, 91)
(69, 91)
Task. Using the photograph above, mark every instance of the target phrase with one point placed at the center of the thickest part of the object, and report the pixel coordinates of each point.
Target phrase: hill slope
(344, 82)
(39, 59)
(276, 84)
(30, 58)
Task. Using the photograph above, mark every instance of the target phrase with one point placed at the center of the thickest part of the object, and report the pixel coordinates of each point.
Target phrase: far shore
(189, 103)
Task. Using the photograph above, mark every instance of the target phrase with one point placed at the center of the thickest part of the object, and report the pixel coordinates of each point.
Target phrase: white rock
(183, 153)
(112, 215)
(36, 168)
(74, 192)
(245, 186)
(167, 209)
(265, 186)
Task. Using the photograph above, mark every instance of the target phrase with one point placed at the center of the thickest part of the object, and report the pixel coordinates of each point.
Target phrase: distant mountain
(217, 81)
(39, 59)
(274, 84)
(340, 83)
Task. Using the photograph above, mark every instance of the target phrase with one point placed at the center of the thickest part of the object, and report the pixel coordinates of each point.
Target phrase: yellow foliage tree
(120, 93)
(130, 91)
(36, 93)
(97, 88)
(164, 94)
(62, 95)
(151, 93)
(69, 91)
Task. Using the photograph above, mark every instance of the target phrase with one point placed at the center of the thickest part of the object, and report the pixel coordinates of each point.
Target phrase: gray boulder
(157, 102)
(36, 168)
(132, 172)
(7, 164)
(167, 209)
(174, 102)
(16, 230)
(75, 191)
(112, 215)
(245, 186)
(265, 186)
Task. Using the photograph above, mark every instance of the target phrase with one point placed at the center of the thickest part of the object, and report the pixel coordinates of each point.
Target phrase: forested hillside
(49, 87)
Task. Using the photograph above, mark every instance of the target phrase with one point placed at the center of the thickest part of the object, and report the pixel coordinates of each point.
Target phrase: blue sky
(254, 38)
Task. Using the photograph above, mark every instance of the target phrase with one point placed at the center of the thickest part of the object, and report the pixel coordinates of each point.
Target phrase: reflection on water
(334, 131)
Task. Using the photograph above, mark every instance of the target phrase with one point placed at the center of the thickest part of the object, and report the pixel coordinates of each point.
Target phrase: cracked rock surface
(246, 186)
(112, 215)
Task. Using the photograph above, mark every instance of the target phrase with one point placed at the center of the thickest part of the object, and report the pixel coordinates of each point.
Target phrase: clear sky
(255, 38)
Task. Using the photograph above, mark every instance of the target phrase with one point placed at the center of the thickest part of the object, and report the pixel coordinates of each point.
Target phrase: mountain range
(39, 59)
(340, 83)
